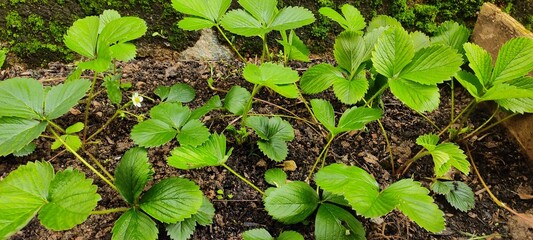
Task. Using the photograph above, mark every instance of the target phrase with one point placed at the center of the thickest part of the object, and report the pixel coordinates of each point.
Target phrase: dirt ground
(506, 171)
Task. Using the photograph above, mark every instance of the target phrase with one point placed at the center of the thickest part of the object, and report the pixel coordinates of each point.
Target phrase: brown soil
(502, 166)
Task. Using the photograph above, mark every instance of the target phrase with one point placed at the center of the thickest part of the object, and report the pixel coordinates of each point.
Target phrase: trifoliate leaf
(62, 97)
(394, 50)
(15, 133)
(132, 173)
(264, 11)
(292, 202)
(433, 65)
(193, 133)
(350, 92)
(172, 200)
(257, 234)
(428, 141)
(276, 177)
(275, 76)
(236, 100)
(459, 195)
(82, 36)
(241, 23)
(270, 128)
(212, 104)
(514, 60)
(414, 202)
(181, 230)
(26, 150)
(24, 191)
(134, 225)
(71, 198)
(106, 17)
(211, 153)
(356, 118)
(74, 128)
(324, 113)
(21, 97)
(152, 133)
(173, 114)
(455, 157)
(349, 51)
(122, 30)
(290, 235)
(333, 222)
(452, 34)
(419, 97)
(319, 78)
(480, 61)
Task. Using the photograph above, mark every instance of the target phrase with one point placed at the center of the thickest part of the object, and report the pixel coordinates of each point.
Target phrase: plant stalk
(243, 179)
(387, 141)
(379, 92)
(83, 160)
(403, 169)
(111, 210)
(491, 126)
(230, 43)
(108, 121)
(87, 106)
(320, 156)
(99, 165)
(248, 107)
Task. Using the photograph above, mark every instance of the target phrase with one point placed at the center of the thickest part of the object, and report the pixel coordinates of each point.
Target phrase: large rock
(207, 48)
(493, 28)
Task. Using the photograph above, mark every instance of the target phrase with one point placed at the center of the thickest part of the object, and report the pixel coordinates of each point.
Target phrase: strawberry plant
(263, 234)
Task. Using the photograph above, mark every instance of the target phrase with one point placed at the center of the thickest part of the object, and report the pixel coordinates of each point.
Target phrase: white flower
(136, 99)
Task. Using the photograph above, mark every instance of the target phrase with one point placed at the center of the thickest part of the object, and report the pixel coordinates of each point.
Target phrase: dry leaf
(289, 165)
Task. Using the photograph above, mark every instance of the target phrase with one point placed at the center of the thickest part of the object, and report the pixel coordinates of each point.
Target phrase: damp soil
(506, 171)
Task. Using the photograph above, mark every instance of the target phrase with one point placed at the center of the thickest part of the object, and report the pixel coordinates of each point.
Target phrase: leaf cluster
(445, 155)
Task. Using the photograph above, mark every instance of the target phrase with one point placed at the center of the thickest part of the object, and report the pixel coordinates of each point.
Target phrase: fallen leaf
(289, 165)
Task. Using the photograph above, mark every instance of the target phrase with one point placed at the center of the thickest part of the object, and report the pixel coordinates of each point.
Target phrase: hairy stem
(87, 106)
(428, 120)
(230, 43)
(243, 179)
(466, 109)
(452, 112)
(379, 92)
(492, 125)
(387, 141)
(404, 167)
(108, 121)
(99, 165)
(248, 106)
(57, 127)
(83, 160)
(322, 155)
(111, 210)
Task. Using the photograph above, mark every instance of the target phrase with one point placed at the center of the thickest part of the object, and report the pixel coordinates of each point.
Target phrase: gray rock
(207, 48)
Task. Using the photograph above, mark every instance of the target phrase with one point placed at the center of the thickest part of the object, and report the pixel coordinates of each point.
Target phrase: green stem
(307, 106)
(266, 53)
(320, 156)
(379, 92)
(248, 107)
(108, 121)
(111, 210)
(387, 141)
(480, 129)
(87, 106)
(230, 43)
(83, 160)
(53, 124)
(452, 112)
(407, 164)
(469, 106)
(243, 179)
(429, 120)
(99, 165)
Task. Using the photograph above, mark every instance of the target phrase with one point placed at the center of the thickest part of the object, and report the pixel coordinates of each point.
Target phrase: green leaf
(452, 34)
(277, 77)
(134, 225)
(451, 155)
(519, 105)
(420, 40)
(292, 202)
(112, 86)
(152, 133)
(25, 151)
(180, 92)
(481, 63)
(275, 149)
(236, 100)
(212, 104)
(274, 132)
(432, 65)
(319, 78)
(293, 47)
(291, 18)
(349, 51)
(172, 200)
(514, 60)
(356, 118)
(417, 96)
(441, 187)
(505, 91)
(354, 20)
(73, 141)
(324, 113)
(15, 133)
(122, 30)
(205, 214)
(334, 198)
(132, 173)
(195, 24)
(193, 133)
(241, 23)
(286, 90)
(3, 55)
(182, 229)
(24, 192)
(211, 153)
(276, 177)
(394, 50)
(414, 202)
(382, 21)
(173, 114)
(428, 141)
(210, 10)
(460, 196)
(71, 199)
(333, 222)
(370, 39)
(74, 128)
(257, 234)
(264, 10)
(471, 83)
(106, 17)
(290, 235)
(61, 98)
(21, 97)
(123, 51)
(82, 36)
